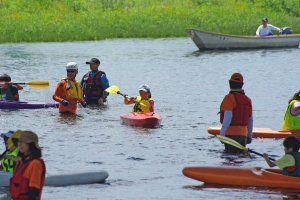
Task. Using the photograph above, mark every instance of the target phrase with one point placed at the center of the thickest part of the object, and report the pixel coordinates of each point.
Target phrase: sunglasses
(71, 71)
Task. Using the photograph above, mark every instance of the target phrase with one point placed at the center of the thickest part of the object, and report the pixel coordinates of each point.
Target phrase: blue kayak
(6, 104)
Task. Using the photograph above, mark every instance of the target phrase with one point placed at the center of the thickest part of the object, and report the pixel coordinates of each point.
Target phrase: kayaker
(9, 160)
(143, 103)
(68, 91)
(94, 83)
(29, 173)
(290, 162)
(236, 114)
(266, 29)
(9, 90)
(291, 119)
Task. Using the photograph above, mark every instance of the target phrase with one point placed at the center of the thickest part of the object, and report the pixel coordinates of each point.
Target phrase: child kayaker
(290, 162)
(9, 91)
(143, 103)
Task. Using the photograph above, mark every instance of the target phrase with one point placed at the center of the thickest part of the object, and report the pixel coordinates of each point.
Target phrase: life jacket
(7, 94)
(19, 185)
(8, 164)
(137, 106)
(72, 89)
(242, 111)
(91, 86)
(291, 122)
(293, 170)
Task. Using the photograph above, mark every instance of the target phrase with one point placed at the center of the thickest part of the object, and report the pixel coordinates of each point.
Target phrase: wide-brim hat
(27, 137)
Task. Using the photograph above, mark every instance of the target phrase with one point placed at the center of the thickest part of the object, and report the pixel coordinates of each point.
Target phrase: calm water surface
(187, 86)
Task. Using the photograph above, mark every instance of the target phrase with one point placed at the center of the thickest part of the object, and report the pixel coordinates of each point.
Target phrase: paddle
(145, 105)
(34, 84)
(238, 145)
(10, 144)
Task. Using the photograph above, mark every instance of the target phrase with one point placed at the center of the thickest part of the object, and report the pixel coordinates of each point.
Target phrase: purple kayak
(6, 104)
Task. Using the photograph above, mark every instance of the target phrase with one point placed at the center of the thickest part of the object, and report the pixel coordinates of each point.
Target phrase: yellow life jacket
(291, 122)
(72, 89)
(137, 107)
(7, 164)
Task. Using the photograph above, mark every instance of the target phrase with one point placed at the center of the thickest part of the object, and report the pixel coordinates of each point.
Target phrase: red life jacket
(91, 86)
(242, 111)
(19, 184)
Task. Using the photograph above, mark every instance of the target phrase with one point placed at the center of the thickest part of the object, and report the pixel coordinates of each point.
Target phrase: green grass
(66, 20)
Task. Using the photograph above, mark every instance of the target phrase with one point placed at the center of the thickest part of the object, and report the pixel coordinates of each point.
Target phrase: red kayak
(242, 176)
(143, 119)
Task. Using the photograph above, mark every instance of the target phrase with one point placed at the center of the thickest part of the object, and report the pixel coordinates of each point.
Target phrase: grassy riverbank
(69, 20)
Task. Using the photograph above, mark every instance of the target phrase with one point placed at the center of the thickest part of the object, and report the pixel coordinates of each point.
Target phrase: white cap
(145, 88)
(72, 65)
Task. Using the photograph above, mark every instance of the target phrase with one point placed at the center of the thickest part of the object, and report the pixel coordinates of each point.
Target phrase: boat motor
(286, 30)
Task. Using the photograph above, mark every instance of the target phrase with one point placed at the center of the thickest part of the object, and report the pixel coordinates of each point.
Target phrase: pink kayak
(149, 119)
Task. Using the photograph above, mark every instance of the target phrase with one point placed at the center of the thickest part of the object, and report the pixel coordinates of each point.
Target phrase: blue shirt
(102, 80)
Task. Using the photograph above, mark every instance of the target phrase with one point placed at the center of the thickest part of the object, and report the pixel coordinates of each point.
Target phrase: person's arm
(250, 129)
(226, 121)
(270, 163)
(104, 84)
(58, 90)
(258, 31)
(19, 87)
(129, 100)
(274, 28)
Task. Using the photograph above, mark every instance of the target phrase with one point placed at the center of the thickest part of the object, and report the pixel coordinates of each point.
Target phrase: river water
(187, 86)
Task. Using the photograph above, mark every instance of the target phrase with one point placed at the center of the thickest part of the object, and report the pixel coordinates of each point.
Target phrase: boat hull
(5, 104)
(64, 179)
(210, 40)
(141, 119)
(242, 176)
(262, 132)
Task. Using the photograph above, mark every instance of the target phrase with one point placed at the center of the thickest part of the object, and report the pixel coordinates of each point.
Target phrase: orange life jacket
(18, 187)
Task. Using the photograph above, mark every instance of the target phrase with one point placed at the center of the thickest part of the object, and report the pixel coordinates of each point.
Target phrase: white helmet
(72, 65)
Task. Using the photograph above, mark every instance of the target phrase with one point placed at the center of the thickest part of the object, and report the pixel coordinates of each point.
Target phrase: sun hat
(144, 88)
(264, 19)
(237, 77)
(27, 137)
(72, 65)
(8, 134)
(93, 61)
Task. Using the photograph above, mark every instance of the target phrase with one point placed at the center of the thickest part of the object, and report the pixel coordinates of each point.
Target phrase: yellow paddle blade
(113, 89)
(145, 106)
(10, 144)
(38, 84)
(231, 142)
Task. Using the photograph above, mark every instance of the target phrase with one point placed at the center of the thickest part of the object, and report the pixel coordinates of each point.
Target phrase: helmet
(72, 65)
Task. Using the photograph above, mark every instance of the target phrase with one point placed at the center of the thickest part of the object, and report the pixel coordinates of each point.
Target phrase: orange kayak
(149, 119)
(262, 132)
(242, 176)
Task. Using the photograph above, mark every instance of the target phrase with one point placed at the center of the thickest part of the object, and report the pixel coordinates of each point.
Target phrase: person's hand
(83, 104)
(100, 102)
(65, 103)
(249, 140)
(125, 95)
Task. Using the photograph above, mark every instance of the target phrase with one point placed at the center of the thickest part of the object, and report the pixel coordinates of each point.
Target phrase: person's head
(296, 96)
(236, 81)
(72, 70)
(144, 91)
(94, 64)
(291, 144)
(264, 21)
(4, 78)
(27, 143)
(5, 137)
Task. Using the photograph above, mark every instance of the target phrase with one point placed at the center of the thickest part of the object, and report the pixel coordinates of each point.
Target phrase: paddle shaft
(259, 154)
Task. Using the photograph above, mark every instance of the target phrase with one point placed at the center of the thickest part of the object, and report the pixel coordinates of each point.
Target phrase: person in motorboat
(266, 29)
(290, 162)
(142, 103)
(236, 114)
(29, 173)
(9, 90)
(291, 119)
(68, 91)
(94, 83)
(10, 158)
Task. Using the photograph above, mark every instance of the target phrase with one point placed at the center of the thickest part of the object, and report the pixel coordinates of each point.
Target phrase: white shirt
(266, 30)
